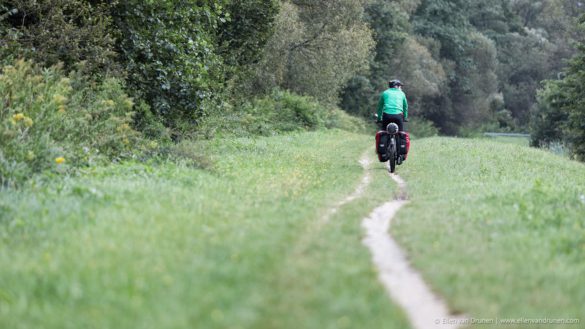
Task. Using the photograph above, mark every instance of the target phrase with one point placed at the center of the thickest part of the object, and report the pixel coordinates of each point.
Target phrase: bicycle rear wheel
(392, 154)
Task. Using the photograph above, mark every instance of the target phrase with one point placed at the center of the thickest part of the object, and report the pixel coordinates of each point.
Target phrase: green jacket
(393, 101)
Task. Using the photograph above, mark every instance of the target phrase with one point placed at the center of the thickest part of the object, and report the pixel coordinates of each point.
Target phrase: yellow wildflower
(20, 63)
(128, 103)
(18, 117)
(152, 144)
(28, 122)
(123, 127)
(59, 99)
(109, 102)
(59, 160)
(30, 155)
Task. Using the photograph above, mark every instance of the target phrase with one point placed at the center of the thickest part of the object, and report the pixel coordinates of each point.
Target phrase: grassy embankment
(168, 245)
(497, 228)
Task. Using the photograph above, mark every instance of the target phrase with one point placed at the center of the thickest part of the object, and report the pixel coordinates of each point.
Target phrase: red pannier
(403, 141)
(382, 145)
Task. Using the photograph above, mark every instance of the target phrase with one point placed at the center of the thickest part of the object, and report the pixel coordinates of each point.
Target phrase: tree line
(468, 66)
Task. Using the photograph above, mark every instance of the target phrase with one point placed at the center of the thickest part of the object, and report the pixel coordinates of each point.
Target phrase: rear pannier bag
(382, 145)
(403, 141)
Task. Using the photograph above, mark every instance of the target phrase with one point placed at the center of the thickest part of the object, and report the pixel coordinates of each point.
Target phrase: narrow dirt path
(402, 282)
(357, 193)
(318, 225)
(296, 272)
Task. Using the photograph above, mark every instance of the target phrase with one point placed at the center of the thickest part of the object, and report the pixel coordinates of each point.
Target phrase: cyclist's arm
(380, 107)
(405, 107)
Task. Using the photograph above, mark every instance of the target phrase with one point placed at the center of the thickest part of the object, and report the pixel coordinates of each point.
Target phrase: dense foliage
(181, 66)
(52, 31)
(277, 113)
(560, 116)
(316, 48)
(205, 67)
(54, 122)
(174, 66)
(467, 66)
(177, 56)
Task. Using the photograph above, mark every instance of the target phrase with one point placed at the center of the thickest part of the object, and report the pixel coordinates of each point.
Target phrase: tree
(66, 31)
(179, 55)
(536, 48)
(174, 66)
(317, 47)
(447, 23)
(398, 54)
(548, 120)
(246, 30)
(561, 112)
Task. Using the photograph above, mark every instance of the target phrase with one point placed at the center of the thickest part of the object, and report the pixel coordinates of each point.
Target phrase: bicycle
(388, 146)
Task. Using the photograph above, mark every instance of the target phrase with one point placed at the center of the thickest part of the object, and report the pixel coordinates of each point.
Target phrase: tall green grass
(169, 245)
(497, 228)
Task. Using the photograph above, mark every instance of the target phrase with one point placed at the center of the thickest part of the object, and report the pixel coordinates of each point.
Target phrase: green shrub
(169, 51)
(342, 120)
(49, 121)
(420, 128)
(65, 31)
(181, 56)
(280, 112)
(559, 117)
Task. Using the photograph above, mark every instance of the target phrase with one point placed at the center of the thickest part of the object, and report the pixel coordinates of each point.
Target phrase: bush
(280, 112)
(49, 121)
(174, 67)
(181, 56)
(548, 118)
(559, 117)
(421, 128)
(53, 31)
(339, 119)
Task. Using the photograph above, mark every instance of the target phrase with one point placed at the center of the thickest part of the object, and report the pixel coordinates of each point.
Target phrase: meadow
(238, 233)
(497, 228)
(228, 237)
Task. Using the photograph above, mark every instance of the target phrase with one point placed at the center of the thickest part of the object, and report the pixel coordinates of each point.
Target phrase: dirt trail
(365, 163)
(403, 283)
(301, 245)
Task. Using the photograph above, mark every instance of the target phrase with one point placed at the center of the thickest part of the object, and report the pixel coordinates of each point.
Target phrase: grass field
(521, 141)
(233, 237)
(167, 245)
(497, 228)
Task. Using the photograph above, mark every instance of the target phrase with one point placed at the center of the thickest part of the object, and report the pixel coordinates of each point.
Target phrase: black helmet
(395, 83)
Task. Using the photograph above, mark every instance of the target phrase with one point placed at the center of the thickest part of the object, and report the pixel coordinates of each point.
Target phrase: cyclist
(393, 106)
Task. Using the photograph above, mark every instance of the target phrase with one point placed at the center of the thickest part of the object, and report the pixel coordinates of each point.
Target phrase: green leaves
(316, 48)
(169, 52)
(52, 31)
(560, 115)
(51, 122)
(180, 55)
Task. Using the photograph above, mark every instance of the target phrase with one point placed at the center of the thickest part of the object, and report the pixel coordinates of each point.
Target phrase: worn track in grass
(402, 282)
